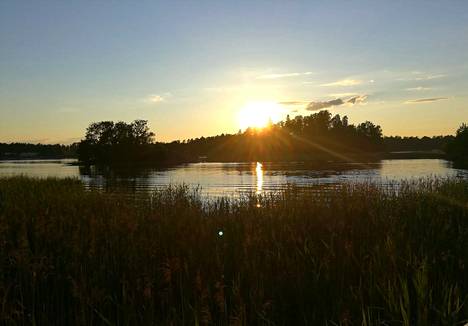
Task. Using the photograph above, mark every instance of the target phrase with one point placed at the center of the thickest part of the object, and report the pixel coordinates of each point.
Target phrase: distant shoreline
(435, 154)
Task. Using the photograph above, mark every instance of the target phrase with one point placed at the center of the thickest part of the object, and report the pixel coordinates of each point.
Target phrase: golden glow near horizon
(259, 114)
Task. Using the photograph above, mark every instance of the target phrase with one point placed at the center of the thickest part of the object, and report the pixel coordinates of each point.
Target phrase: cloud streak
(418, 89)
(420, 77)
(430, 77)
(315, 106)
(285, 75)
(357, 99)
(157, 98)
(343, 82)
(319, 105)
(426, 100)
(293, 103)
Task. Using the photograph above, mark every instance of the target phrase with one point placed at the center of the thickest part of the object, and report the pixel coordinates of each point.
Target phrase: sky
(190, 67)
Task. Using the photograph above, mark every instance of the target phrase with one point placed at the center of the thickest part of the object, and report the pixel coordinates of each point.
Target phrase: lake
(216, 179)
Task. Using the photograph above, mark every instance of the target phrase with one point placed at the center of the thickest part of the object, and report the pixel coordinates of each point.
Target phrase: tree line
(25, 150)
(318, 137)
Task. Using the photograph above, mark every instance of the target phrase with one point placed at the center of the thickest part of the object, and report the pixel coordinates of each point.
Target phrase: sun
(259, 114)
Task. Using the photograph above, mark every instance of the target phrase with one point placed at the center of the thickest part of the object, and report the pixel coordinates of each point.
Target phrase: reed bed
(357, 256)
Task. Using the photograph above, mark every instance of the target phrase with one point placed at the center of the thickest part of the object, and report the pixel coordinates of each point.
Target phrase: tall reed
(358, 255)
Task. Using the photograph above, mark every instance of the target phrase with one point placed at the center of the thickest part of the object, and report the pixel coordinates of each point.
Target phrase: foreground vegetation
(354, 256)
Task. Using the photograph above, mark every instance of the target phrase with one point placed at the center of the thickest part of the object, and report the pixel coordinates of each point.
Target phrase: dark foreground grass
(357, 256)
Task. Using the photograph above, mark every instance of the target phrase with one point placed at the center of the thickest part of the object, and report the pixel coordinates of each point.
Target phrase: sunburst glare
(259, 114)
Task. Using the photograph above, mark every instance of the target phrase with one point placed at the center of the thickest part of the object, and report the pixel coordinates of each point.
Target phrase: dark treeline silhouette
(25, 151)
(318, 136)
(397, 143)
(315, 137)
(107, 142)
(457, 149)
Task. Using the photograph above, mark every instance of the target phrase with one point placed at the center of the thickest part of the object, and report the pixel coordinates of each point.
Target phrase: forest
(317, 137)
(14, 151)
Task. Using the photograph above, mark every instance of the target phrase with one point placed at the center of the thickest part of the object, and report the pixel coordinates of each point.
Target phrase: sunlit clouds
(315, 106)
(322, 105)
(419, 76)
(157, 98)
(285, 75)
(294, 102)
(430, 77)
(418, 89)
(343, 82)
(426, 100)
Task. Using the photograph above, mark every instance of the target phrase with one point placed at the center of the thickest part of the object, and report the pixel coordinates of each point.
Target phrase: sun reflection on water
(259, 176)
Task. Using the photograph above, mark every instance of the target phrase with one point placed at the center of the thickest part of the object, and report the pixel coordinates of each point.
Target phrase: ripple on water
(236, 179)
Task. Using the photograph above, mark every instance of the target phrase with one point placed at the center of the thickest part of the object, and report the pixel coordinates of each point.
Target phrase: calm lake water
(217, 179)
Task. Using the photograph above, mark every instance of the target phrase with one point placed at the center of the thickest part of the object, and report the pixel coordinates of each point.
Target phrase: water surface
(217, 179)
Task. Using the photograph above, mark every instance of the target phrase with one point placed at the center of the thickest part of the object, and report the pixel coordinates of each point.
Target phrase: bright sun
(259, 114)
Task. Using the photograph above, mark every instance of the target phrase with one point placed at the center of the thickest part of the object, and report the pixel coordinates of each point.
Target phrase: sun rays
(259, 114)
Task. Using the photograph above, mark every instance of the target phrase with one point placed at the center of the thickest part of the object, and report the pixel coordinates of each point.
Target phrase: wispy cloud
(284, 75)
(419, 76)
(357, 99)
(418, 89)
(315, 106)
(157, 98)
(319, 105)
(293, 103)
(426, 100)
(430, 77)
(343, 82)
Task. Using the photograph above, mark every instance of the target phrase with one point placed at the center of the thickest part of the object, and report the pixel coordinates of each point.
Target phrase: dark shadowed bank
(359, 255)
(23, 151)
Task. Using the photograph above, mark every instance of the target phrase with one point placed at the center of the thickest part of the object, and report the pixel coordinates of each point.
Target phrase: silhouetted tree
(108, 142)
(315, 136)
(457, 149)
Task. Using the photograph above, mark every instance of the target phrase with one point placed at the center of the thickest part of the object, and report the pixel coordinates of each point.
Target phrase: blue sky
(189, 67)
